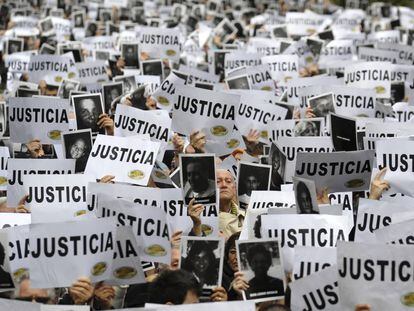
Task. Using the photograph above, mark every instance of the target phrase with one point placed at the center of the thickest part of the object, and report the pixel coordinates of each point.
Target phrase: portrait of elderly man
(199, 179)
(88, 108)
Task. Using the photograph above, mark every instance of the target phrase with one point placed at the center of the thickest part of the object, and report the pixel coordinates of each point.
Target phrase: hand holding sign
(194, 211)
(104, 294)
(239, 283)
(379, 185)
(81, 291)
(198, 141)
(20, 208)
(107, 123)
(219, 294)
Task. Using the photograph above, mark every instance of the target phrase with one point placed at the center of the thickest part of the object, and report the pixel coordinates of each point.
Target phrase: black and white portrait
(239, 82)
(203, 257)
(128, 82)
(279, 32)
(77, 53)
(198, 178)
(67, 86)
(6, 281)
(78, 19)
(77, 145)
(322, 105)
(88, 108)
(91, 29)
(277, 161)
(219, 62)
(14, 45)
(26, 92)
(152, 68)
(261, 263)
(57, 13)
(315, 46)
(102, 55)
(111, 91)
(105, 15)
(305, 196)
(251, 177)
(397, 92)
(308, 127)
(110, 28)
(46, 25)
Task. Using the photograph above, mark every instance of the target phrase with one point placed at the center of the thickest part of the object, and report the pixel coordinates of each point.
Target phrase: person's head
(303, 198)
(78, 148)
(27, 293)
(275, 161)
(197, 176)
(259, 259)
(306, 128)
(230, 253)
(175, 288)
(251, 183)
(88, 112)
(114, 93)
(200, 258)
(323, 107)
(226, 184)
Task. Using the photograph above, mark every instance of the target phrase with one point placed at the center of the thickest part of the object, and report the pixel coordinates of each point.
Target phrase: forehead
(224, 174)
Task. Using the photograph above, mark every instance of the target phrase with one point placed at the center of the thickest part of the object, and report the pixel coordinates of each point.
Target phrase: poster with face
(277, 161)
(129, 52)
(111, 91)
(305, 195)
(322, 105)
(261, 263)
(88, 108)
(78, 145)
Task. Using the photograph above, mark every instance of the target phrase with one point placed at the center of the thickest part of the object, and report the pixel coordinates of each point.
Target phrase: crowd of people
(241, 261)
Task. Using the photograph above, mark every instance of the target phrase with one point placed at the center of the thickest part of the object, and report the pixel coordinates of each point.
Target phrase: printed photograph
(26, 92)
(322, 105)
(261, 263)
(308, 127)
(198, 178)
(305, 196)
(153, 68)
(111, 91)
(77, 145)
(239, 82)
(67, 86)
(14, 45)
(88, 108)
(277, 161)
(128, 82)
(130, 54)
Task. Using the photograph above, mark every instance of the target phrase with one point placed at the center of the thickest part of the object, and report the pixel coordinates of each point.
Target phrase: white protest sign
(92, 72)
(370, 75)
(260, 78)
(376, 55)
(208, 306)
(16, 305)
(382, 271)
(52, 68)
(282, 128)
(271, 199)
(160, 43)
(398, 233)
(255, 113)
(129, 159)
(14, 219)
(59, 194)
(196, 75)
(44, 307)
(387, 36)
(17, 168)
(17, 62)
(131, 121)
(195, 109)
(318, 291)
(238, 59)
(354, 102)
(398, 157)
(99, 43)
(403, 111)
(303, 24)
(337, 50)
(170, 200)
(84, 248)
(282, 67)
(38, 118)
(338, 171)
(165, 94)
(149, 226)
(349, 20)
(220, 148)
(291, 146)
(126, 266)
(308, 260)
(62, 28)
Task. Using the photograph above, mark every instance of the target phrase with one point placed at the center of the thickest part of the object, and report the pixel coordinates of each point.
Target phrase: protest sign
(354, 102)
(337, 171)
(149, 226)
(196, 109)
(292, 146)
(397, 233)
(343, 132)
(52, 68)
(165, 94)
(129, 159)
(92, 72)
(381, 270)
(126, 266)
(16, 305)
(370, 75)
(170, 200)
(309, 260)
(302, 24)
(160, 43)
(131, 121)
(238, 59)
(84, 248)
(14, 219)
(282, 67)
(218, 306)
(318, 291)
(376, 55)
(271, 199)
(17, 168)
(281, 128)
(38, 118)
(397, 156)
(260, 78)
(51, 196)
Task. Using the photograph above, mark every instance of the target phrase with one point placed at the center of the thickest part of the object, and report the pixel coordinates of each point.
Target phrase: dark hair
(2, 254)
(258, 249)
(231, 243)
(172, 286)
(301, 187)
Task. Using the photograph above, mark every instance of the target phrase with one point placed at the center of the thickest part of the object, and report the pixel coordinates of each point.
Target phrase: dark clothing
(226, 282)
(265, 288)
(275, 181)
(5, 280)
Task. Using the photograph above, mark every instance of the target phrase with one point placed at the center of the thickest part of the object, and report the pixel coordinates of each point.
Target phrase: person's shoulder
(275, 282)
